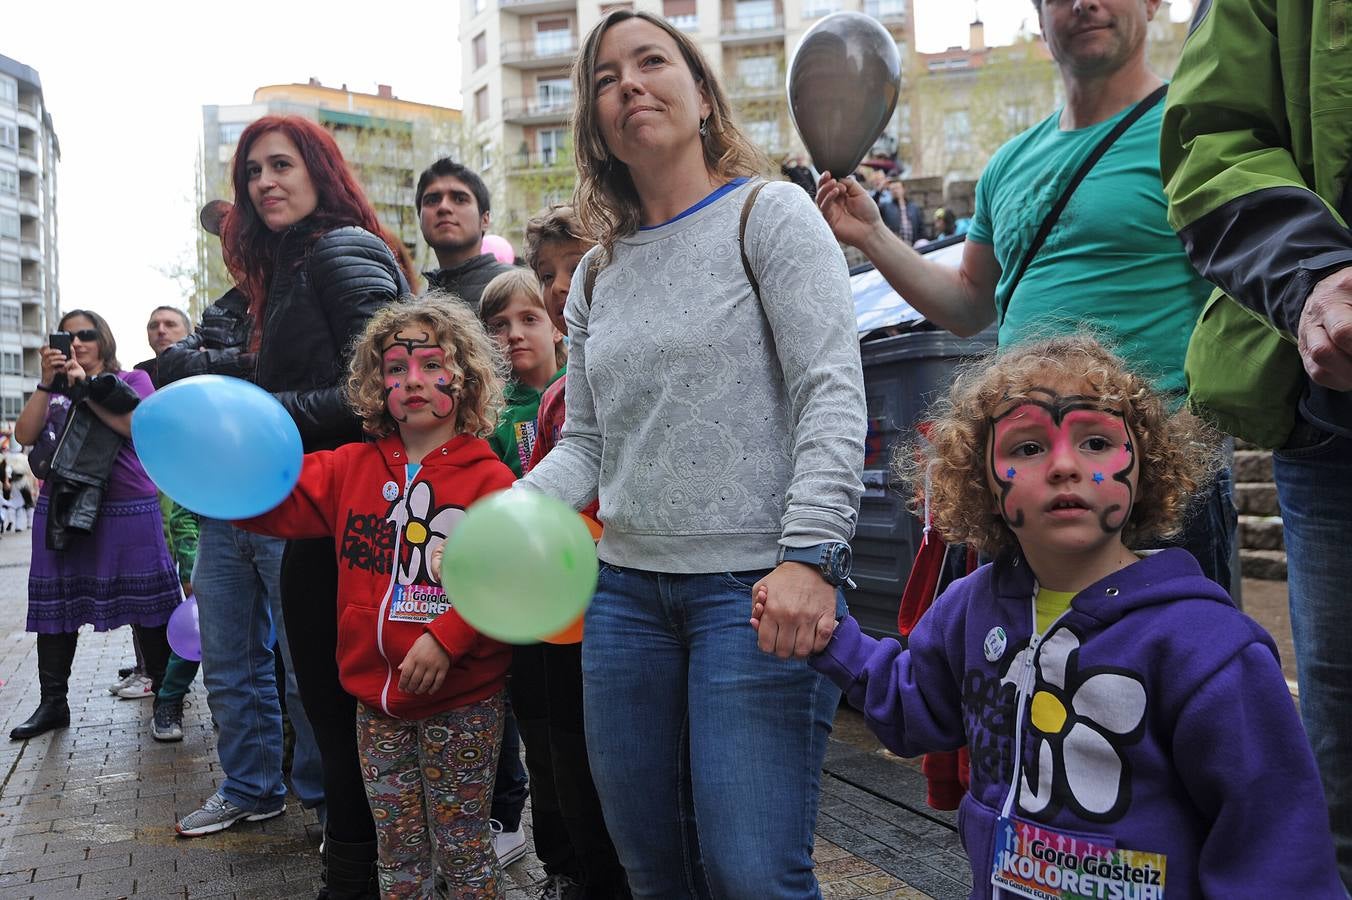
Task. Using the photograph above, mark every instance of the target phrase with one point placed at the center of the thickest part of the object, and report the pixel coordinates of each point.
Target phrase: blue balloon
(219, 446)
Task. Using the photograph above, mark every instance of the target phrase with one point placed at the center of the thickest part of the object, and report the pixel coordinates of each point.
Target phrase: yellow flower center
(416, 533)
(1049, 716)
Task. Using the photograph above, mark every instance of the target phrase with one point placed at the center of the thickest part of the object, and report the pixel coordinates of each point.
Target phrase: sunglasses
(86, 335)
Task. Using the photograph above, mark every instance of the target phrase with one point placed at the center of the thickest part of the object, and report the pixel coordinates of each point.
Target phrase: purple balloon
(185, 635)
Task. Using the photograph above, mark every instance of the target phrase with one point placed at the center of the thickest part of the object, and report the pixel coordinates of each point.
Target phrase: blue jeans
(706, 752)
(1314, 484)
(239, 611)
(1209, 528)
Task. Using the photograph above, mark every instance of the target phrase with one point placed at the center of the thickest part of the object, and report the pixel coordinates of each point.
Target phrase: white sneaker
(508, 845)
(138, 687)
(123, 682)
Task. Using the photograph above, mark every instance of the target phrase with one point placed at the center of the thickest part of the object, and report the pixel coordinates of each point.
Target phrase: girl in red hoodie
(426, 380)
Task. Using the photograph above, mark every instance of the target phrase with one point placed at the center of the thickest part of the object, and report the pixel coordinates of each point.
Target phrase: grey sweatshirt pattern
(712, 426)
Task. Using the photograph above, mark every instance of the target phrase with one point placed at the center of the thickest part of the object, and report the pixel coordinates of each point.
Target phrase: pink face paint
(415, 378)
(1066, 451)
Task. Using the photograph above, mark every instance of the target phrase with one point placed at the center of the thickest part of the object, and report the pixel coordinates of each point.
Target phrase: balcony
(26, 117)
(540, 52)
(30, 250)
(537, 110)
(525, 7)
(539, 160)
(28, 161)
(747, 89)
(28, 206)
(889, 12)
(689, 22)
(752, 29)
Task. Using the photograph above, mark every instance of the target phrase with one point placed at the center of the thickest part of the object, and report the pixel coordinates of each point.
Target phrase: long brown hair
(107, 343)
(248, 244)
(607, 202)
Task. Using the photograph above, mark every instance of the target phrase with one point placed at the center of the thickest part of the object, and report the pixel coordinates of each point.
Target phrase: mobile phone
(60, 340)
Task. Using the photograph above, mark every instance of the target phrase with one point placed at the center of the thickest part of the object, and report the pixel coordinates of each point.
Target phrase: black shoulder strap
(589, 278)
(1090, 161)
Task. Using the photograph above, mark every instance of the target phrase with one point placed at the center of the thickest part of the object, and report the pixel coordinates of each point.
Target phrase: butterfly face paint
(1062, 464)
(419, 386)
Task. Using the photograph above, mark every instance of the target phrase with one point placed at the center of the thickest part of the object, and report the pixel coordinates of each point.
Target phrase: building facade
(29, 295)
(386, 141)
(518, 97)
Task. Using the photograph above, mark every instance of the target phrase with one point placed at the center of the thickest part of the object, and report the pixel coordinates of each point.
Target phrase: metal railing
(538, 48)
(752, 24)
(534, 107)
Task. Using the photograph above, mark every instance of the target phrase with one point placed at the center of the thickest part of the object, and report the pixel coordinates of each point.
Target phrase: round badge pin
(994, 645)
(390, 491)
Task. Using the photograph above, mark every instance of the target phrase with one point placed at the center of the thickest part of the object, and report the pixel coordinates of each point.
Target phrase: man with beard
(453, 209)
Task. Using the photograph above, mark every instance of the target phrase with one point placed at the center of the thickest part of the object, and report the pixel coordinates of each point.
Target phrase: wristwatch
(831, 558)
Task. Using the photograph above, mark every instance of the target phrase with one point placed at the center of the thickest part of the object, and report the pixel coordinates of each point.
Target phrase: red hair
(248, 245)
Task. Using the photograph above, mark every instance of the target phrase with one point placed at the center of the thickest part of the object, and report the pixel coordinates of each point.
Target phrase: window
(481, 105)
(9, 136)
(9, 181)
(814, 9)
(480, 45)
(764, 134)
(553, 37)
(9, 224)
(13, 406)
(681, 14)
(485, 156)
(480, 6)
(10, 321)
(551, 143)
(9, 92)
(758, 71)
(754, 15)
(9, 271)
(230, 132)
(11, 363)
(957, 132)
(885, 9)
(554, 93)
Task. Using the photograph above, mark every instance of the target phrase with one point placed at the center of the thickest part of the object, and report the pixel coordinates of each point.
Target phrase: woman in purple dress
(99, 556)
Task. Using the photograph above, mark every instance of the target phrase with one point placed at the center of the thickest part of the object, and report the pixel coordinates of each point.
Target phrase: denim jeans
(706, 752)
(1314, 485)
(239, 612)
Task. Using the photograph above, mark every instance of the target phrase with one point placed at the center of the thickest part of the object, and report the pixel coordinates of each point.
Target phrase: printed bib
(418, 603)
(1044, 864)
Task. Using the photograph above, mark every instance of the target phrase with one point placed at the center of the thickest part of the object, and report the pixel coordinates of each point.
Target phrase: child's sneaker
(124, 677)
(558, 887)
(168, 723)
(508, 845)
(218, 814)
(138, 687)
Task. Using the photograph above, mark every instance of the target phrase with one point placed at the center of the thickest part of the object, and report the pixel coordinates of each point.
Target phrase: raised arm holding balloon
(716, 407)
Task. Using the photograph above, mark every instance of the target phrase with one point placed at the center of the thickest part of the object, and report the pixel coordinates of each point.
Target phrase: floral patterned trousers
(430, 786)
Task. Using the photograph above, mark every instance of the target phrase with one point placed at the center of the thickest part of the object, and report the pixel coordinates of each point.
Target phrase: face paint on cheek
(395, 395)
(1112, 477)
(1123, 467)
(443, 399)
(1004, 484)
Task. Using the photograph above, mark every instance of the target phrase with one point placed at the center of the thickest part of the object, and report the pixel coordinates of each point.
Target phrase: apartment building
(387, 141)
(518, 97)
(29, 296)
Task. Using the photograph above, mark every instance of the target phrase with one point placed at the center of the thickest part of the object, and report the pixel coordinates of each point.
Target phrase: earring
(704, 127)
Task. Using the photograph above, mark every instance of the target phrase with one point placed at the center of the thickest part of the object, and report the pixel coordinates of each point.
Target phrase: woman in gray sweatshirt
(721, 423)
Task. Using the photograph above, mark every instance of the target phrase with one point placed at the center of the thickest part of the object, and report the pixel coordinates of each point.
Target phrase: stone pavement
(89, 811)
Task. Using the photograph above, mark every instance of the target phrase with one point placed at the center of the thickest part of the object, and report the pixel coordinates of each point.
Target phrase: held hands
(848, 210)
(793, 611)
(1324, 334)
(424, 667)
(54, 361)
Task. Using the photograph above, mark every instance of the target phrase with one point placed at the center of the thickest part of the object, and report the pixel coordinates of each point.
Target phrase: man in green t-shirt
(1110, 263)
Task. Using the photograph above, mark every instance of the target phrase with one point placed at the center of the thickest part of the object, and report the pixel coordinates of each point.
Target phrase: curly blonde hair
(474, 363)
(1178, 454)
(607, 202)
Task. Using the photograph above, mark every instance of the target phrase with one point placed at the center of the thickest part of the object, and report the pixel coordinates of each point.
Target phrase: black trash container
(902, 376)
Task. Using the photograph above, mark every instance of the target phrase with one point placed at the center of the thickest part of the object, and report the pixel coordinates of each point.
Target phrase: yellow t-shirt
(1050, 604)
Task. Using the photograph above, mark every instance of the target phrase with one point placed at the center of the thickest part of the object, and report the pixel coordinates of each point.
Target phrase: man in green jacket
(1256, 147)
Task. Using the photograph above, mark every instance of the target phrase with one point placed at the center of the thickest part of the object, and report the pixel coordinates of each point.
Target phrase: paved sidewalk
(89, 811)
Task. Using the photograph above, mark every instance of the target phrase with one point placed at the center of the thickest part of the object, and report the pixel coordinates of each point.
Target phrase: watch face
(839, 562)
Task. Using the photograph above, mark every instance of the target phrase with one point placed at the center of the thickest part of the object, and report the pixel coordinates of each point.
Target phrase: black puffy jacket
(468, 279)
(218, 346)
(318, 304)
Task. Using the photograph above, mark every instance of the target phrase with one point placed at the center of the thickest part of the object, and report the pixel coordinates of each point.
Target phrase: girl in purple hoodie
(1129, 729)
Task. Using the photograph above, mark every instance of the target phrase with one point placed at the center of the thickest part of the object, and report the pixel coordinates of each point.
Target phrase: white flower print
(422, 528)
(1081, 720)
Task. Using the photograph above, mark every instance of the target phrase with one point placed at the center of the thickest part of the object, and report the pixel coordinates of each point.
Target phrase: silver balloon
(843, 86)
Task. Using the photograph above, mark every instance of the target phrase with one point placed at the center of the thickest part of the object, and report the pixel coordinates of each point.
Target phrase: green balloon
(520, 566)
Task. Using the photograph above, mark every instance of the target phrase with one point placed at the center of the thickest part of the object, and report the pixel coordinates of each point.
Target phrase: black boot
(349, 870)
(55, 653)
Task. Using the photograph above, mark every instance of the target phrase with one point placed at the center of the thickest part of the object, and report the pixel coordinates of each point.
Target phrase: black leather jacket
(83, 459)
(218, 346)
(468, 280)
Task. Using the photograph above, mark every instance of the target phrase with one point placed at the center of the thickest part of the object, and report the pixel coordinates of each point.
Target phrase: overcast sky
(125, 83)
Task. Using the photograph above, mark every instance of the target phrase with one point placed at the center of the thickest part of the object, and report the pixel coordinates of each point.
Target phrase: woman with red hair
(310, 257)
